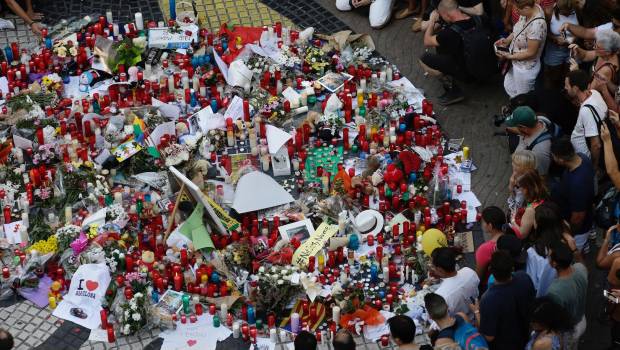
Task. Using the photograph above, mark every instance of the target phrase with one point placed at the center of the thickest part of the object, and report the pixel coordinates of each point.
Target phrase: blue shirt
(575, 193)
(504, 312)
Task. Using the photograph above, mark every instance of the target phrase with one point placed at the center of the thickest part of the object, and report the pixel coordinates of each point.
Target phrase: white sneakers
(6, 24)
(380, 11)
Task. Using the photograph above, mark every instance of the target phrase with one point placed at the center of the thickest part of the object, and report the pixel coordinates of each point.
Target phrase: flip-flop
(359, 3)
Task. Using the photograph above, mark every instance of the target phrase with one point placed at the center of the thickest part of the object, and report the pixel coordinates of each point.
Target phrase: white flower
(261, 269)
(136, 317)
(126, 329)
(127, 314)
(280, 282)
(61, 51)
(73, 51)
(138, 295)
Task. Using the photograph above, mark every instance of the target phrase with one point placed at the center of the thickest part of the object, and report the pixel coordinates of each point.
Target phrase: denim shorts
(556, 55)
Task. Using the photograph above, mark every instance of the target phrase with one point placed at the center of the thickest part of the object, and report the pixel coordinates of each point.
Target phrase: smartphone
(501, 48)
(611, 297)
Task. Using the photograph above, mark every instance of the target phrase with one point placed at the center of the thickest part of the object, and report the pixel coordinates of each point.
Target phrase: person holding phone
(523, 48)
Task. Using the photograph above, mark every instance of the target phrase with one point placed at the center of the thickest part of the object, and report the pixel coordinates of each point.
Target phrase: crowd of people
(559, 60)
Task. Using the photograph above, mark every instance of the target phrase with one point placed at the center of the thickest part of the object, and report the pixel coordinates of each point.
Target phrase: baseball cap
(522, 115)
(512, 245)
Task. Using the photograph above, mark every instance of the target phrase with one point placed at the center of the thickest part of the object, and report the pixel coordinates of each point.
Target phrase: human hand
(573, 65)
(434, 16)
(475, 307)
(501, 42)
(36, 28)
(605, 133)
(564, 27)
(612, 228)
(614, 118)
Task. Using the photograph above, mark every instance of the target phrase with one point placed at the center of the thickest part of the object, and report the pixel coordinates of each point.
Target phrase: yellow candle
(52, 301)
(465, 153)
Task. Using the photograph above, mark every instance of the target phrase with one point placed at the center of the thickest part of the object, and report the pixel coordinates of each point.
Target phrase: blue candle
(251, 317)
(215, 277)
(374, 273)
(214, 105)
(8, 53)
(173, 9)
(155, 296)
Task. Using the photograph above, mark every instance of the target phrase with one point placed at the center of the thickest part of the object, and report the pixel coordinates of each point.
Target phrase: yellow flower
(73, 51)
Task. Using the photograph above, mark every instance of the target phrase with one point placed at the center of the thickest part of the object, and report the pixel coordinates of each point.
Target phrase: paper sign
(11, 231)
(205, 120)
(291, 95)
(165, 38)
(276, 138)
(315, 243)
(235, 109)
(256, 191)
(82, 304)
(221, 65)
(103, 156)
(166, 109)
(281, 163)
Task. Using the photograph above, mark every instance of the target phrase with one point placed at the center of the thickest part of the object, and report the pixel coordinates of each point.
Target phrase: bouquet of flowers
(65, 235)
(64, 49)
(52, 83)
(133, 314)
(275, 289)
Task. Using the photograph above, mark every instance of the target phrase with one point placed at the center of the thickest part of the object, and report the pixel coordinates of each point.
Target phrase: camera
(612, 298)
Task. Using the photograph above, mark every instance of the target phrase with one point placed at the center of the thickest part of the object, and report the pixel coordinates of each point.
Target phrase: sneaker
(380, 13)
(451, 97)
(343, 5)
(6, 24)
(417, 25)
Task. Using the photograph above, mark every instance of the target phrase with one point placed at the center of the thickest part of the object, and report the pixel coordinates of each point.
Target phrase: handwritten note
(165, 38)
(235, 109)
(312, 246)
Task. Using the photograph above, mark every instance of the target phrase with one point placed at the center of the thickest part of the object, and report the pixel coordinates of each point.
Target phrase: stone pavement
(471, 120)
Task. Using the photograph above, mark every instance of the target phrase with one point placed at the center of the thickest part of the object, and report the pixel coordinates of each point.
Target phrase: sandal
(404, 13)
(360, 3)
(417, 25)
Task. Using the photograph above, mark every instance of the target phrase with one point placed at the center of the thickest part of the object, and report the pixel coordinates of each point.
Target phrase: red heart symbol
(192, 342)
(92, 285)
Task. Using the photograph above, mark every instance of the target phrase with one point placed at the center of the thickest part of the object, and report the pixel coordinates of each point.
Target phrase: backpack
(554, 131)
(615, 141)
(468, 337)
(607, 210)
(480, 60)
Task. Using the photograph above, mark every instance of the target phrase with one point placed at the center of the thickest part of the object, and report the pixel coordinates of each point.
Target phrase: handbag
(505, 64)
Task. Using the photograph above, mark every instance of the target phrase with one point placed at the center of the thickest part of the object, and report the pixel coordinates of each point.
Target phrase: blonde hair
(524, 159)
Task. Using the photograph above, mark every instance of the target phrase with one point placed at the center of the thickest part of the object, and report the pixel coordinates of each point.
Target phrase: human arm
(579, 31)
(477, 10)
(430, 39)
(527, 223)
(594, 144)
(601, 83)
(19, 11)
(576, 220)
(487, 324)
(611, 164)
(582, 54)
(604, 260)
(612, 277)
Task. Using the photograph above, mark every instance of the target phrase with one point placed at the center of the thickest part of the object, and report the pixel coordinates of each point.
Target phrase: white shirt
(556, 23)
(586, 125)
(458, 290)
(605, 26)
(540, 271)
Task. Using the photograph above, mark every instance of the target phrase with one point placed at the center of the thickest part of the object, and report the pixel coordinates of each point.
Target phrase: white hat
(369, 222)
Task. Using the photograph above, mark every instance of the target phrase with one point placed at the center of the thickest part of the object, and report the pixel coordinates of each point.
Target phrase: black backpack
(615, 140)
(480, 60)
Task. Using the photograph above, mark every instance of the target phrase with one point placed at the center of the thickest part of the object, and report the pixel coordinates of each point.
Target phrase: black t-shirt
(450, 42)
(503, 312)
(575, 193)
(469, 3)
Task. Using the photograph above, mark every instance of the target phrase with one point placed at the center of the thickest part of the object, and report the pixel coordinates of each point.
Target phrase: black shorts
(444, 63)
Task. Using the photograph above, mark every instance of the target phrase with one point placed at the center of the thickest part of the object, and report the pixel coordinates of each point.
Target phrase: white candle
(389, 73)
(386, 274)
(139, 21)
(363, 84)
(294, 322)
(25, 220)
(265, 162)
(115, 29)
(236, 330)
(223, 311)
(108, 16)
(336, 314)
(170, 84)
(382, 77)
(196, 82)
(118, 198)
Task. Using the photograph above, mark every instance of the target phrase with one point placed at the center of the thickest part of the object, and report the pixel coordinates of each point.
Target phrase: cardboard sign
(82, 304)
(315, 243)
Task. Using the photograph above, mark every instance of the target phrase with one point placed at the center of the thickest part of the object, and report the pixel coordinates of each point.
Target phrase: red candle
(128, 293)
(311, 263)
(199, 309)
(129, 263)
(178, 282)
(184, 257)
(111, 336)
(104, 319)
(6, 273)
(371, 240)
(7, 214)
